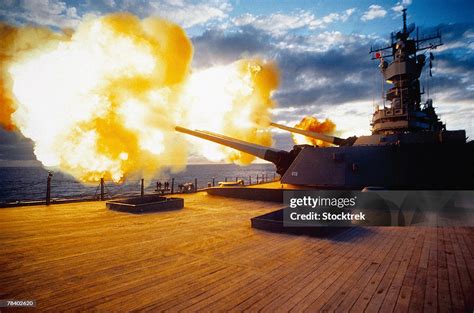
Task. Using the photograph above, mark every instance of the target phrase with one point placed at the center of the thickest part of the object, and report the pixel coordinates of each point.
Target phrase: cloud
(218, 47)
(455, 36)
(453, 66)
(280, 23)
(333, 76)
(400, 5)
(374, 11)
(13, 146)
(53, 13)
(191, 13)
(110, 3)
(59, 14)
(186, 13)
(322, 41)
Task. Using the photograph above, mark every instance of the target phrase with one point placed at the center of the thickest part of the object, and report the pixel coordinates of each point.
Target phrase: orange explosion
(311, 123)
(16, 43)
(103, 101)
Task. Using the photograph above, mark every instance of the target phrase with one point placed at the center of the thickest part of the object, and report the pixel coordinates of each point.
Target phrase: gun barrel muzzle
(326, 138)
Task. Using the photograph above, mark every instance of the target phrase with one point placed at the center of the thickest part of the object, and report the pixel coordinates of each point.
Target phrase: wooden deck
(206, 257)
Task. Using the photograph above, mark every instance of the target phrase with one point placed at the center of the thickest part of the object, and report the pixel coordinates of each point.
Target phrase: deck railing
(106, 190)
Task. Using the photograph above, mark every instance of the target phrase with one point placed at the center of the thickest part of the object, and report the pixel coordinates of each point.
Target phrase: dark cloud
(453, 67)
(14, 146)
(452, 87)
(450, 33)
(216, 47)
(333, 77)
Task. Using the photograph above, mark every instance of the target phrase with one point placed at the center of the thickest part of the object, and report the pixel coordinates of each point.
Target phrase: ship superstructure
(401, 64)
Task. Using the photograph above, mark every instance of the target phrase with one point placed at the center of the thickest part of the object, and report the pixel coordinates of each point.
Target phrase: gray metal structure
(409, 147)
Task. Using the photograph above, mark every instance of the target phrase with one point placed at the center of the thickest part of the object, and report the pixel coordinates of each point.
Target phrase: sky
(321, 48)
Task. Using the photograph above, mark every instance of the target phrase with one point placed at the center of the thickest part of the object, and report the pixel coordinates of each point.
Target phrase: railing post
(48, 188)
(257, 179)
(195, 184)
(142, 187)
(250, 179)
(226, 179)
(102, 192)
(172, 185)
(213, 181)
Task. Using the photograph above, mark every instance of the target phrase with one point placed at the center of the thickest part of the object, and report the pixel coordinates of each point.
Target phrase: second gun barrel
(326, 138)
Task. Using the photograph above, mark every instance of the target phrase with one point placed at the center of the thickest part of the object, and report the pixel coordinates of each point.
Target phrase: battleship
(206, 257)
(409, 148)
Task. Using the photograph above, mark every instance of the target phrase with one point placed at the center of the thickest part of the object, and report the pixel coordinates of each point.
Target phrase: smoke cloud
(103, 100)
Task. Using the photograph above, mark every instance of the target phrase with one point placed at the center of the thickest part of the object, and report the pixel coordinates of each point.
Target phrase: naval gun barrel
(326, 138)
(282, 159)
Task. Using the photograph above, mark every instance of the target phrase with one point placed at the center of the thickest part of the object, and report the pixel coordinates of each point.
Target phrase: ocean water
(29, 183)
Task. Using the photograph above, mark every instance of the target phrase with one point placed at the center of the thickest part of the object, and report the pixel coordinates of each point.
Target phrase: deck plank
(444, 298)
(431, 302)
(462, 261)
(455, 288)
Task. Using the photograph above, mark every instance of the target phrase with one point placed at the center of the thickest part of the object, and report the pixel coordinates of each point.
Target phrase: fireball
(103, 101)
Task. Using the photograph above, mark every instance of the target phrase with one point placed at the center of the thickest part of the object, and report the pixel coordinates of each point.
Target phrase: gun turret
(326, 138)
(282, 159)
